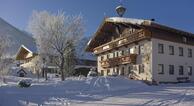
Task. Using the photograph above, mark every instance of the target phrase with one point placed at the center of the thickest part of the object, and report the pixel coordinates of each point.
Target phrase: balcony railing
(112, 62)
(124, 40)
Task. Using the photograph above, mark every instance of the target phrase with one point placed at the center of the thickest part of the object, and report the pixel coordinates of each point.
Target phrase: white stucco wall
(167, 60)
(151, 58)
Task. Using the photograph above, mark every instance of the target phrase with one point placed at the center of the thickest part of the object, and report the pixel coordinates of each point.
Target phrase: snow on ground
(99, 91)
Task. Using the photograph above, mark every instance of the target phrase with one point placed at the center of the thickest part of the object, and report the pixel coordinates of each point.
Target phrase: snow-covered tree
(55, 34)
(37, 66)
(5, 61)
(70, 59)
(38, 26)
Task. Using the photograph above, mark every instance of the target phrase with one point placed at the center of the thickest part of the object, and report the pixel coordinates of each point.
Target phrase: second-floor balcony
(112, 62)
(124, 40)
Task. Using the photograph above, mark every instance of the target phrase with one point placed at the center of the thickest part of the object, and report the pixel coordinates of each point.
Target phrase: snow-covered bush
(114, 74)
(81, 76)
(92, 74)
(25, 83)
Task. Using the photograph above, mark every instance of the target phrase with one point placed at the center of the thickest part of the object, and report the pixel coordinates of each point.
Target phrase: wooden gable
(109, 31)
(24, 53)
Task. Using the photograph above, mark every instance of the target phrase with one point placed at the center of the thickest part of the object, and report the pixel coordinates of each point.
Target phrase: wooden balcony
(112, 62)
(124, 40)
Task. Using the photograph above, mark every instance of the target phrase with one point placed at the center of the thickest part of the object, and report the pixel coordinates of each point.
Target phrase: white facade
(166, 59)
(149, 57)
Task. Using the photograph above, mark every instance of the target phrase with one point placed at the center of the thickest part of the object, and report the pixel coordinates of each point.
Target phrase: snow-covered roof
(141, 23)
(24, 53)
(27, 48)
(32, 47)
(126, 20)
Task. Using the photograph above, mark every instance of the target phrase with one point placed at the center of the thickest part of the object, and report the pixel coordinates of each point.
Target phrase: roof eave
(88, 48)
(24, 47)
(167, 28)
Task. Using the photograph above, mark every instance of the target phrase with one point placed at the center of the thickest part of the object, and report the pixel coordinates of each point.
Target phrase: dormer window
(184, 39)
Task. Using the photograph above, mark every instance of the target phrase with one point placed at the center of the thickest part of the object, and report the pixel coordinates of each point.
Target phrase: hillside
(16, 36)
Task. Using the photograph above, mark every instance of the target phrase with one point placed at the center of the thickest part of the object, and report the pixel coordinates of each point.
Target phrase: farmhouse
(143, 49)
(28, 56)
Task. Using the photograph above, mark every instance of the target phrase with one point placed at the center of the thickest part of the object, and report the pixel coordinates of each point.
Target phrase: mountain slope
(80, 50)
(16, 36)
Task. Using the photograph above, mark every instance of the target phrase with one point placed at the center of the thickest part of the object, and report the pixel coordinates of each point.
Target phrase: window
(180, 51)
(43, 59)
(160, 69)
(102, 72)
(141, 68)
(129, 70)
(171, 69)
(141, 49)
(113, 69)
(189, 70)
(122, 52)
(107, 56)
(181, 72)
(160, 48)
(129, 50)
(102, 58)
(171, 50)
(117, 70)
(189, 52)
(122, 71)
(108, 72)
(136, 49)
(117, 54)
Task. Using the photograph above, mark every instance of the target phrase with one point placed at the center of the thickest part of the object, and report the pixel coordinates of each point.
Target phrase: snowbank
(95, 91)
(74, 88)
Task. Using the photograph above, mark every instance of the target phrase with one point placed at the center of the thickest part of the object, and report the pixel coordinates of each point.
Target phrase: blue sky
(175, 13)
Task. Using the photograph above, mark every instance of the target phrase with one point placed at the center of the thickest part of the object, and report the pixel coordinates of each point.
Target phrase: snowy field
(100, 91)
